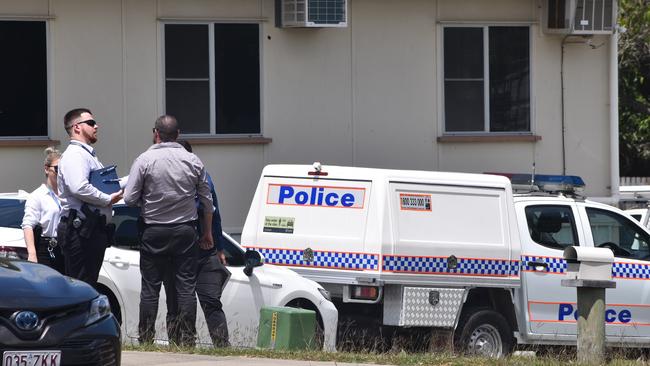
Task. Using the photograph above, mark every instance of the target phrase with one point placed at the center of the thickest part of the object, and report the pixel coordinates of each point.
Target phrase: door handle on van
(538, 265)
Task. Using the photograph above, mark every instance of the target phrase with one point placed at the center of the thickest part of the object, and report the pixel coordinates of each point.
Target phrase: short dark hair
(73, 115)
(186, 144)
(167, 127)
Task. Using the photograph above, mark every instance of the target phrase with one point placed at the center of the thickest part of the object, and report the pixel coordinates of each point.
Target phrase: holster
(93, 218)
(110, 234)
(38, 232)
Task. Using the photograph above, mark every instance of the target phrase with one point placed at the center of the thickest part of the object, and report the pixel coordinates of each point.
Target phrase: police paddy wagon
(469, 253)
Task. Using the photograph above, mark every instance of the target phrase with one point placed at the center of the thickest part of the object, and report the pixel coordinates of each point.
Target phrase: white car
(119, 279)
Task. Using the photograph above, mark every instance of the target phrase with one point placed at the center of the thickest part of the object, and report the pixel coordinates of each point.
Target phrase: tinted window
(618, 233)
(552, 226)
(237, 78)
(233, 68)
(507, 81)
(126, 227)
(11, 213)
(23, 78)
(126, 234)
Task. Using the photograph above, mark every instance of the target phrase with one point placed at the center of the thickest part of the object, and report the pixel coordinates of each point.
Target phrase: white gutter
(613, 116)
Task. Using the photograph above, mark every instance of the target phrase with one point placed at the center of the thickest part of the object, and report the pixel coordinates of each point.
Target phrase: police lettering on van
(322, 196)
(570, 312)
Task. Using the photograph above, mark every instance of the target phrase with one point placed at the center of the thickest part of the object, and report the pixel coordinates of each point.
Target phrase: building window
(212, 77)
(486, 79)
(23, 79)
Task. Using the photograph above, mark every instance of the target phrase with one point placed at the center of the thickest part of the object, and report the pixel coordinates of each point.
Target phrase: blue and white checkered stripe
(619, 270)
(466, 266)
(631, 271)
(555, 265)
(322, 259)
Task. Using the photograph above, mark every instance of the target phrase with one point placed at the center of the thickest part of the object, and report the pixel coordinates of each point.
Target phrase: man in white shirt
(83, 239)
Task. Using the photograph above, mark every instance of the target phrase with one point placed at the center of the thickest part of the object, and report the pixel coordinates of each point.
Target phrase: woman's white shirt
(42, 208)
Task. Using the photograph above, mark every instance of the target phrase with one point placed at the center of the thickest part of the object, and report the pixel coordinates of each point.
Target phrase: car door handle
(117, 262)
(538, 265)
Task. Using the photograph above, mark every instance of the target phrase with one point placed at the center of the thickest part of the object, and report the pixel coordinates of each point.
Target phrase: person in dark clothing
(212, 276)
(165, 181)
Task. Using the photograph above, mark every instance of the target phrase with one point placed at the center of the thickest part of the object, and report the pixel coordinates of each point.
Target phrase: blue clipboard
(105, 179)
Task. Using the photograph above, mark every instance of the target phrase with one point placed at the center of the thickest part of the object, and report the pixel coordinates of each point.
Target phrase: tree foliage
(634, 87)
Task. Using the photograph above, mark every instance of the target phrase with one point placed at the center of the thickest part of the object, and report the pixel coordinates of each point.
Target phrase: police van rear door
(316, 225)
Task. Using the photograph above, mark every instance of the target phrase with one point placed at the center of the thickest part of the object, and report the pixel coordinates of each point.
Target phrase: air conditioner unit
(311, 13)
(579, 16)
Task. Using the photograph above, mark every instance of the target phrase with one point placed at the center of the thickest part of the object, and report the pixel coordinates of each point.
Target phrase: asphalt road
(131, 358)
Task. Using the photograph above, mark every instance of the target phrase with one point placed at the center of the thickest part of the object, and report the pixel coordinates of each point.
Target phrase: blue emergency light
(548, 183)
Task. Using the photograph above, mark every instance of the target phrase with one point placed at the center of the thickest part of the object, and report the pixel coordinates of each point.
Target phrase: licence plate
(31, 358)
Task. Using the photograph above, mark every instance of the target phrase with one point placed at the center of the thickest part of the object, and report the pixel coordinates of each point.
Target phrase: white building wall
(365, 95)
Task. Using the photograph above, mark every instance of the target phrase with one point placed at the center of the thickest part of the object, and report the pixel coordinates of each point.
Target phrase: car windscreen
(11, 213)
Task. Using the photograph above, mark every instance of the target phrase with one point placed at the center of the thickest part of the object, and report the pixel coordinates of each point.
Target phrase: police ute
(479, 256)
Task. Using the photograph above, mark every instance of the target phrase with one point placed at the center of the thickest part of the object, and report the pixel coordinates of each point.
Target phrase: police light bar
(568, 184)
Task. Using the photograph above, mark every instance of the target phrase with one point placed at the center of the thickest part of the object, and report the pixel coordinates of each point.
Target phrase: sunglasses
(56, 167)
(90, 122)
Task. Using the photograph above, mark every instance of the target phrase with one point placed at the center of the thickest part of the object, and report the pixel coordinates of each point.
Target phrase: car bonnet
(35, 286)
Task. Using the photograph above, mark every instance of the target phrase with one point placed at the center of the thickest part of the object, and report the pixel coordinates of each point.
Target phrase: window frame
(162, 92)
(440, 72)
(621, 220)
(573, 224)
(46, 139)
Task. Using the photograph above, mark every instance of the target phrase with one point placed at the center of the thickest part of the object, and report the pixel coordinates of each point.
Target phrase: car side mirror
(252, 259)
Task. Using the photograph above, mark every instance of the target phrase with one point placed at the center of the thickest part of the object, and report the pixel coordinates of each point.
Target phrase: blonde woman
(42, 212)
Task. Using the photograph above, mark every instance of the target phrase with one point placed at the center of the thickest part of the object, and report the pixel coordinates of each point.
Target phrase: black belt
(191, 223)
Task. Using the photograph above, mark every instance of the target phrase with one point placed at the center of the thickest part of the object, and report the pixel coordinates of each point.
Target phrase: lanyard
(83, 147)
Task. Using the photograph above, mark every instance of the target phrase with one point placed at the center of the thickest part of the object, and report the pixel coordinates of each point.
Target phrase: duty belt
(51, 244)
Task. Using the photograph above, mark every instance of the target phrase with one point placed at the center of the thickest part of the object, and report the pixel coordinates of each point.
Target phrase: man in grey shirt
(164, 182)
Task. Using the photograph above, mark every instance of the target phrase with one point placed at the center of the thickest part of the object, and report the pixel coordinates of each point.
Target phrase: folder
(105, 179)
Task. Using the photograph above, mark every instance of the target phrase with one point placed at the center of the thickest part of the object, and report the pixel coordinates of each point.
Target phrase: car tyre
(483, 332)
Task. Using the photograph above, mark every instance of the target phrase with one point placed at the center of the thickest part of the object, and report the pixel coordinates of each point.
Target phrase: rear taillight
(13, 252)
(364, 292)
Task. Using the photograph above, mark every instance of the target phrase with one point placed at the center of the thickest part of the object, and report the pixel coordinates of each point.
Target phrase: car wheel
(319, 335)
(483, 332)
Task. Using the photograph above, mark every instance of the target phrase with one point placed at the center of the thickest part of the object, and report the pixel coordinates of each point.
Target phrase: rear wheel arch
(497, 299)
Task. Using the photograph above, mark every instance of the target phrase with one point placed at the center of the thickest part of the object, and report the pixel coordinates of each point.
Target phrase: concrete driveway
(132, 358)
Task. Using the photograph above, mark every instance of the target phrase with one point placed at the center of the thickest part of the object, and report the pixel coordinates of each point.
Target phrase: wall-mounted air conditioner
(579, 16)
(311, 13)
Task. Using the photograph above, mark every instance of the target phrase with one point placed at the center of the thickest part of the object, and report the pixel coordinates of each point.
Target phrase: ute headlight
(325, 293)
(99, 308)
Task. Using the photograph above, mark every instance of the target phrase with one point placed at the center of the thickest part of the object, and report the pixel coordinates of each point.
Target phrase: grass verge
(390, 358)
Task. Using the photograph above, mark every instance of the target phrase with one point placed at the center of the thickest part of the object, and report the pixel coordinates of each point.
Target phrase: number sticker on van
(319, 196)
(414, 202)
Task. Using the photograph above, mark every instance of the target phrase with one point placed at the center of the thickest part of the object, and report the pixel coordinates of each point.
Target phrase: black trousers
(43, 256)
(211, 278)
(168, 251)
(83, 257)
